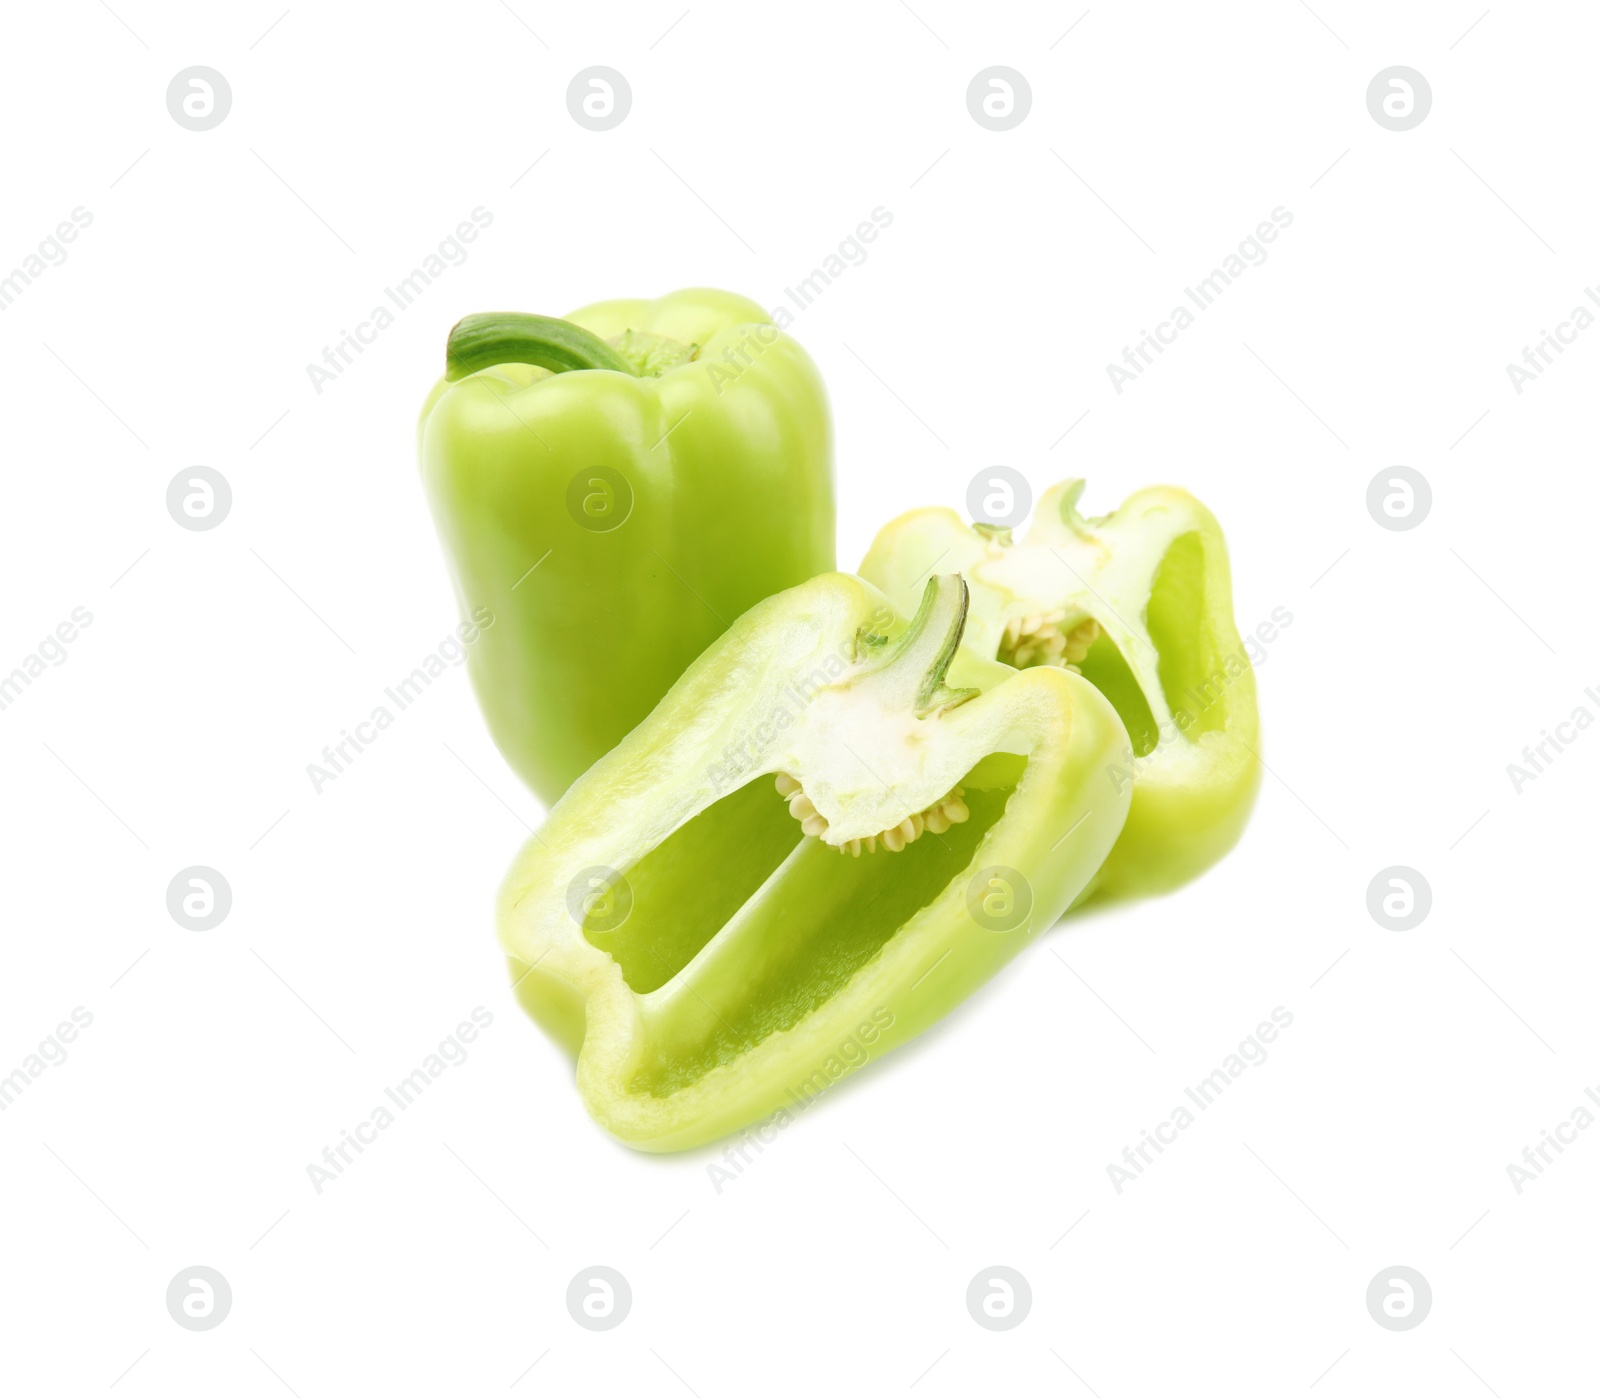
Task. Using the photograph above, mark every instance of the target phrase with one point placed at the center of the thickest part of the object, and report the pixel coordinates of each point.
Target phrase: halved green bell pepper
(1139, 601)
(616, 488)
(714, 950)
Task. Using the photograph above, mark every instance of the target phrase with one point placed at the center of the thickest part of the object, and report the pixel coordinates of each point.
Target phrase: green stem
(510, 337)
(913, 669)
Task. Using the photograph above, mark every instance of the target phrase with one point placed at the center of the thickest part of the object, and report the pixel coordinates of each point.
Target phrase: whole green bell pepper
(1139, 601)
(616, 488)
(713, 951)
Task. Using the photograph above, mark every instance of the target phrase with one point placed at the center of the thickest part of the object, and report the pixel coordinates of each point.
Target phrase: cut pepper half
(689, 921)
(1139, 601)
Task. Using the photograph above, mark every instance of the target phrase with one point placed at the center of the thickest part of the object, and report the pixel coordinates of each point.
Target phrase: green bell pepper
(713, 952)
(616, 489)
(1139, 601)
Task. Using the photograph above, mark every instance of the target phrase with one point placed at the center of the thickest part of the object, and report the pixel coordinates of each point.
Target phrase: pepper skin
(714, 950)
(1140, 602)
(616, 489)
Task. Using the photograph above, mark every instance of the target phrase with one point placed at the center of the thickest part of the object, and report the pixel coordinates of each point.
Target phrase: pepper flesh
(708, 961)
(716, 424)
(1140, 601)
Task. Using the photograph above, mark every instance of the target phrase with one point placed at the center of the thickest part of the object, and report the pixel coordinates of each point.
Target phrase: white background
(218, 664)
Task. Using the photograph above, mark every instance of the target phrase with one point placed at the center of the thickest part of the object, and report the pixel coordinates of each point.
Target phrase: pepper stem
(510, 337)
(915, 664)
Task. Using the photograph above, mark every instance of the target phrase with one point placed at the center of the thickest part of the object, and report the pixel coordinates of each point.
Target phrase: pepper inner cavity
(811, 926)
(949, 810)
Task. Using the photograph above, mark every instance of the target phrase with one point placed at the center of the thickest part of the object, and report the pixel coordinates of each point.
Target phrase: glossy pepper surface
(616, 488)
(1140, 603)
(834, 827)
